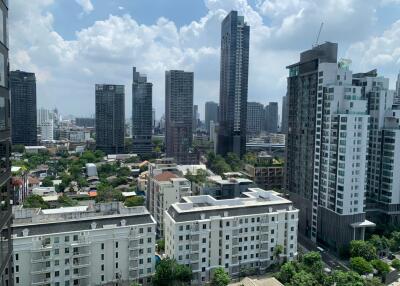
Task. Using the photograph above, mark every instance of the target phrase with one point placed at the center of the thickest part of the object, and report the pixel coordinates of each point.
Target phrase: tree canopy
(170, 273)
(220, 278)
(35, 201)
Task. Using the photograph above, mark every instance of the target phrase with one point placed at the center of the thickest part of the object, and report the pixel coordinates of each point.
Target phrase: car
(320, 249)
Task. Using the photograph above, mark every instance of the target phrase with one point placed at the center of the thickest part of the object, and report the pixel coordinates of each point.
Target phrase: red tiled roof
(165, 176)
(33, 181)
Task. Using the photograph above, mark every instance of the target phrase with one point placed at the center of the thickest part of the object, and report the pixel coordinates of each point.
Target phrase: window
(116, 244)
(75, 238)
(57, 273)
(66, 261)
(204, 240)
(66, 239)
(141, 230)
(204, 226)
(102, 267)
(116, 254)
(102, 256)
(149, 229)
(66, 250)
(16, 256)
(102, 278)
(102, 246)
(116, 265)
(56, 262)
(148, 259)
(16, 268)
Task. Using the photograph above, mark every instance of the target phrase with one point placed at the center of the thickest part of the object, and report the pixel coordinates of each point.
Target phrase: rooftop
(79, 218)
(165, 176)
(255, 201)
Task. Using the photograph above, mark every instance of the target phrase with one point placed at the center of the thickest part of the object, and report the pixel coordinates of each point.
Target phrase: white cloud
(382, 52)
(105, 51)
(86, 5)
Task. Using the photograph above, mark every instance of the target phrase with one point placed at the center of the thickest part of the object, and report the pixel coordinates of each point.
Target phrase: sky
(73, 44)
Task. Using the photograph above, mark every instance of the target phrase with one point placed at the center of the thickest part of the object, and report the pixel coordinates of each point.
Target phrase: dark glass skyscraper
(284, 122)
(110, 118)
(23, 108)
(211, 113)
(5, 149)
(235, 36)
(271, 117)
(179, 115)
(142, 114)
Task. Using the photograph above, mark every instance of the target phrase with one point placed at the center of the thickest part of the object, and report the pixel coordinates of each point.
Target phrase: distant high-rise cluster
(255, 117)
(142, 114)
(235, 37)
(23, 108)
(179, 115)
(110, 118)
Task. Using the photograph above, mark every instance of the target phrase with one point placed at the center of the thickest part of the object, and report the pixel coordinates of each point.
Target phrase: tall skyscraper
(179, 115)
(271, 117)
(327, 147)
(284, 124)
(255, 117)
(211, 113)
(142, 114)
(45, 124)
(110, 118)
(235, 37)
(23, 108)
(383, 198)
(5, 150)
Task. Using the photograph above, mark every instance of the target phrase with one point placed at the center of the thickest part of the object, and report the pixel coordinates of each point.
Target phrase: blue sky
(73, 44)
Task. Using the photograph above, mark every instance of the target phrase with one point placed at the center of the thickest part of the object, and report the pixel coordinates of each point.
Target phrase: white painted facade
(236, 234)
(75, 247)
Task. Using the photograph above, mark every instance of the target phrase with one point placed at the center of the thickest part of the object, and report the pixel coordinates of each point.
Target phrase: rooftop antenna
(319, 33)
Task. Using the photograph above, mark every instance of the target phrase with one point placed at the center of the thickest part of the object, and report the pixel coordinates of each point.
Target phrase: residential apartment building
(235, 38)
(271, 117)
(238, 234)
(5, 151)
(326, 147)
(110, 118)
(383, 202)
(255, 118)
(23, 107)
(179, 116)
(142, 114)
(101, 244)
(165, 189)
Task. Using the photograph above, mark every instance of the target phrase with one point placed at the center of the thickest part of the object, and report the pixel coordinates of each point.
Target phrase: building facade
(85, 122)
(271, 117)
(110, 118)
(255, 118)
(142, 114)
(99, 245)
(267, 173)
(239, 234)
(327, 148)
(179, 116)
(23, 108)
(235, 37)
(165, 189)
(211, 113)
(284, 121)
(5, 151)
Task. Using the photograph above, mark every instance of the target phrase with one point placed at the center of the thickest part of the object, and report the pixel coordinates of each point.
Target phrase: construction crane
(319, 33)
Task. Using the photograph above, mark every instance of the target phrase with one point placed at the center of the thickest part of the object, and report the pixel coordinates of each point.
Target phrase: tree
(47, 182)
(360, 265)
(161, 245)
(288, 270)
(312, 260)
(349, 278)
(360, 248)
(233, 160)
(373, 282)
(220, 278)
(396, 264)
(35, 201)
(170, 273)
(395, 241)
(66, 201)
(382, 267)
(278, 250)
(250, 158)
(303, 278)
(381, 243)
(134, 201)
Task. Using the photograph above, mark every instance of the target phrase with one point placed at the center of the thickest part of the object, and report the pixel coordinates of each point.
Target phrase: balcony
(40, 258)
(133, 264)
(44, 281)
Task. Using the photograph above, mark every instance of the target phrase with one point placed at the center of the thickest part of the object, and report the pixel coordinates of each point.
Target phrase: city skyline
(194, 37)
